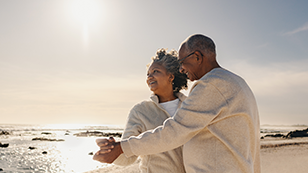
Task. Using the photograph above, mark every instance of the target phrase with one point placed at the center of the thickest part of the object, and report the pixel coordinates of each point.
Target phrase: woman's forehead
(156, 65)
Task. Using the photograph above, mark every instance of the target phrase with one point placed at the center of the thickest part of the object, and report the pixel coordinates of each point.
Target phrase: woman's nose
(149, 75)
(181, 69)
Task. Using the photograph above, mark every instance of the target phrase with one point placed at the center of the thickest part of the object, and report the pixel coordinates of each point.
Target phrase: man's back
(229, 141)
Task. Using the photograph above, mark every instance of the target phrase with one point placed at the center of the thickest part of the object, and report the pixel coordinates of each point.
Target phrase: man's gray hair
(201, 43)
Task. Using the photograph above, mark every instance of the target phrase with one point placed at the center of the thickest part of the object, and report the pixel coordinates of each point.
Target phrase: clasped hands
(109, 150)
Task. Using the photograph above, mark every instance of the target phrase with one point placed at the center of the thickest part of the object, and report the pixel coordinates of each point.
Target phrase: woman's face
(158, 80)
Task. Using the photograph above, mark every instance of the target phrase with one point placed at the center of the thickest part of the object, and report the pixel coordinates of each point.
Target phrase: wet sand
(277, 155)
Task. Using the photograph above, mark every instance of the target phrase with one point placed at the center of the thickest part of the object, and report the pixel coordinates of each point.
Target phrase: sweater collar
(181, 97)
(204, 77)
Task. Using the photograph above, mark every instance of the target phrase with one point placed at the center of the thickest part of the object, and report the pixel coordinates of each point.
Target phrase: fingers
(102, 151)
(106, 149)
(108, 155)
(101, 142)
(98, 157)
(105, 145)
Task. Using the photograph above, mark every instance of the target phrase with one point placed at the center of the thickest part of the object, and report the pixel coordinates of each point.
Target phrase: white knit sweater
(218, 124)
(145, 116)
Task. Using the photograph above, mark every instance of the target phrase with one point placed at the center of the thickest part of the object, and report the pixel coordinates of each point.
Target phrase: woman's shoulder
(144, 109)
(143, 105)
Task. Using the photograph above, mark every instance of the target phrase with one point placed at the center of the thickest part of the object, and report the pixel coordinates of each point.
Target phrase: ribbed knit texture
(218, 124)
(145, 116)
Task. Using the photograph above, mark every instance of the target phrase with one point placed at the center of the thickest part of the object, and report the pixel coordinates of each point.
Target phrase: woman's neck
(166, 97)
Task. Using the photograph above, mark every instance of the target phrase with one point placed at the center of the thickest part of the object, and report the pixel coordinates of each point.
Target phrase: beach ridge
(282, 144)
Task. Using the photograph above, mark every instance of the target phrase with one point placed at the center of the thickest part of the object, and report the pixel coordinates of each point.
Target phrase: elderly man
(218, 123)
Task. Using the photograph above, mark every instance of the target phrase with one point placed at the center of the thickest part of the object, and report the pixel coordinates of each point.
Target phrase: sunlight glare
(85, 11)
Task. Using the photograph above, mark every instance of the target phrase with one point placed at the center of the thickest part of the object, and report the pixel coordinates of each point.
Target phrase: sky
(84, 62)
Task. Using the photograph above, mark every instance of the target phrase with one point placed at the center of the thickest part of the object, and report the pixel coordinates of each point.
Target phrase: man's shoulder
(227, 83)
(220, 76)
(220, 80)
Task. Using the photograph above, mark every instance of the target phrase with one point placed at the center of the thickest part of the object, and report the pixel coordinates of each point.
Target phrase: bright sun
(85, 12)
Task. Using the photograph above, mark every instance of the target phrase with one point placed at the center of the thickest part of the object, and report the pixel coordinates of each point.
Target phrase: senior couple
(214, 129)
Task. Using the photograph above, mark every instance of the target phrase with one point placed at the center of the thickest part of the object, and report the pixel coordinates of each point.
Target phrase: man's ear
(199, 57)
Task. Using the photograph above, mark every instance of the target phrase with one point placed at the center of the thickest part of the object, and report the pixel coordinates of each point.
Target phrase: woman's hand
(105, 145)
(111, 154)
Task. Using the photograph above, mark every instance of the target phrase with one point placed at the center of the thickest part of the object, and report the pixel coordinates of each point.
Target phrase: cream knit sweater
(218, 124)
(145, 116)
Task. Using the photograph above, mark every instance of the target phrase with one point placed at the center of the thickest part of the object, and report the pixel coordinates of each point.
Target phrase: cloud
(281, 78)
(281, 89)
(300, 29)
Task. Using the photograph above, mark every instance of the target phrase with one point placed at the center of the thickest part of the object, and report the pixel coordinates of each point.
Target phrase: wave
(57, 127)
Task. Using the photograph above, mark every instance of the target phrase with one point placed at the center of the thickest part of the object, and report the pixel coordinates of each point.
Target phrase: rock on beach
(46, 139)
(4, 133)
(3, 145)
(46, 133)
(290, 135)
(297, 133)
(98, 134)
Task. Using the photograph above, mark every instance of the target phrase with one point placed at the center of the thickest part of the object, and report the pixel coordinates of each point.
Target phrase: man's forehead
(182, 51)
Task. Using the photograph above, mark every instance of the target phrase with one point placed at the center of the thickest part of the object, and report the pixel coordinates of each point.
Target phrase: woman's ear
(171, 78)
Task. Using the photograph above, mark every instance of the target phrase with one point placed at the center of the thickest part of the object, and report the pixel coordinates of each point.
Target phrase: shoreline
(275, 142)
(277, 155)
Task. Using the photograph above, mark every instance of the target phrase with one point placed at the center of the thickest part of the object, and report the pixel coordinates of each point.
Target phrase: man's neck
(208, 69)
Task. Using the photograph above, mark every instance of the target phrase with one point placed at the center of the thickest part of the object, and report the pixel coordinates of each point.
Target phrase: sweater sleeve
(197, 111)
(133, 127)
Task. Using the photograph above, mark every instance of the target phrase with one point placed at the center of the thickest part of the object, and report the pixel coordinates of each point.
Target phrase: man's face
(188, 65)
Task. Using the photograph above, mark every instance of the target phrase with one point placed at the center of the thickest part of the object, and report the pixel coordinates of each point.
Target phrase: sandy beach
(277, 155)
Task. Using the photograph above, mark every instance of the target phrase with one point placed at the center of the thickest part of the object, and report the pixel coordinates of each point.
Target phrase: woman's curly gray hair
(170, 62)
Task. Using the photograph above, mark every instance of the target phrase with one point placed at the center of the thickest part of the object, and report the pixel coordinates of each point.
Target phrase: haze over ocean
(72, 62)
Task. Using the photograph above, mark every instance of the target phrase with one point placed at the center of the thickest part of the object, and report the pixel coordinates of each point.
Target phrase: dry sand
(134, 168)
(277, 156)
(284, 156)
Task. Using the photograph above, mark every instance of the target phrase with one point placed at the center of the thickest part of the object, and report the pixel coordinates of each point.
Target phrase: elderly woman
(165, 81)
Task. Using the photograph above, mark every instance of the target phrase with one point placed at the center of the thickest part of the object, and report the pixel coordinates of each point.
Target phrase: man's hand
(110, 155)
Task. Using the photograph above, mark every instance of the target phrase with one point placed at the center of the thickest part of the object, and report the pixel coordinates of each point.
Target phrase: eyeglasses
(182, 60)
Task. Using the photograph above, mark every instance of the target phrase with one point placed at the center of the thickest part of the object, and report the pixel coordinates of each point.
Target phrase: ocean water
(70, 155)
(282, 129)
